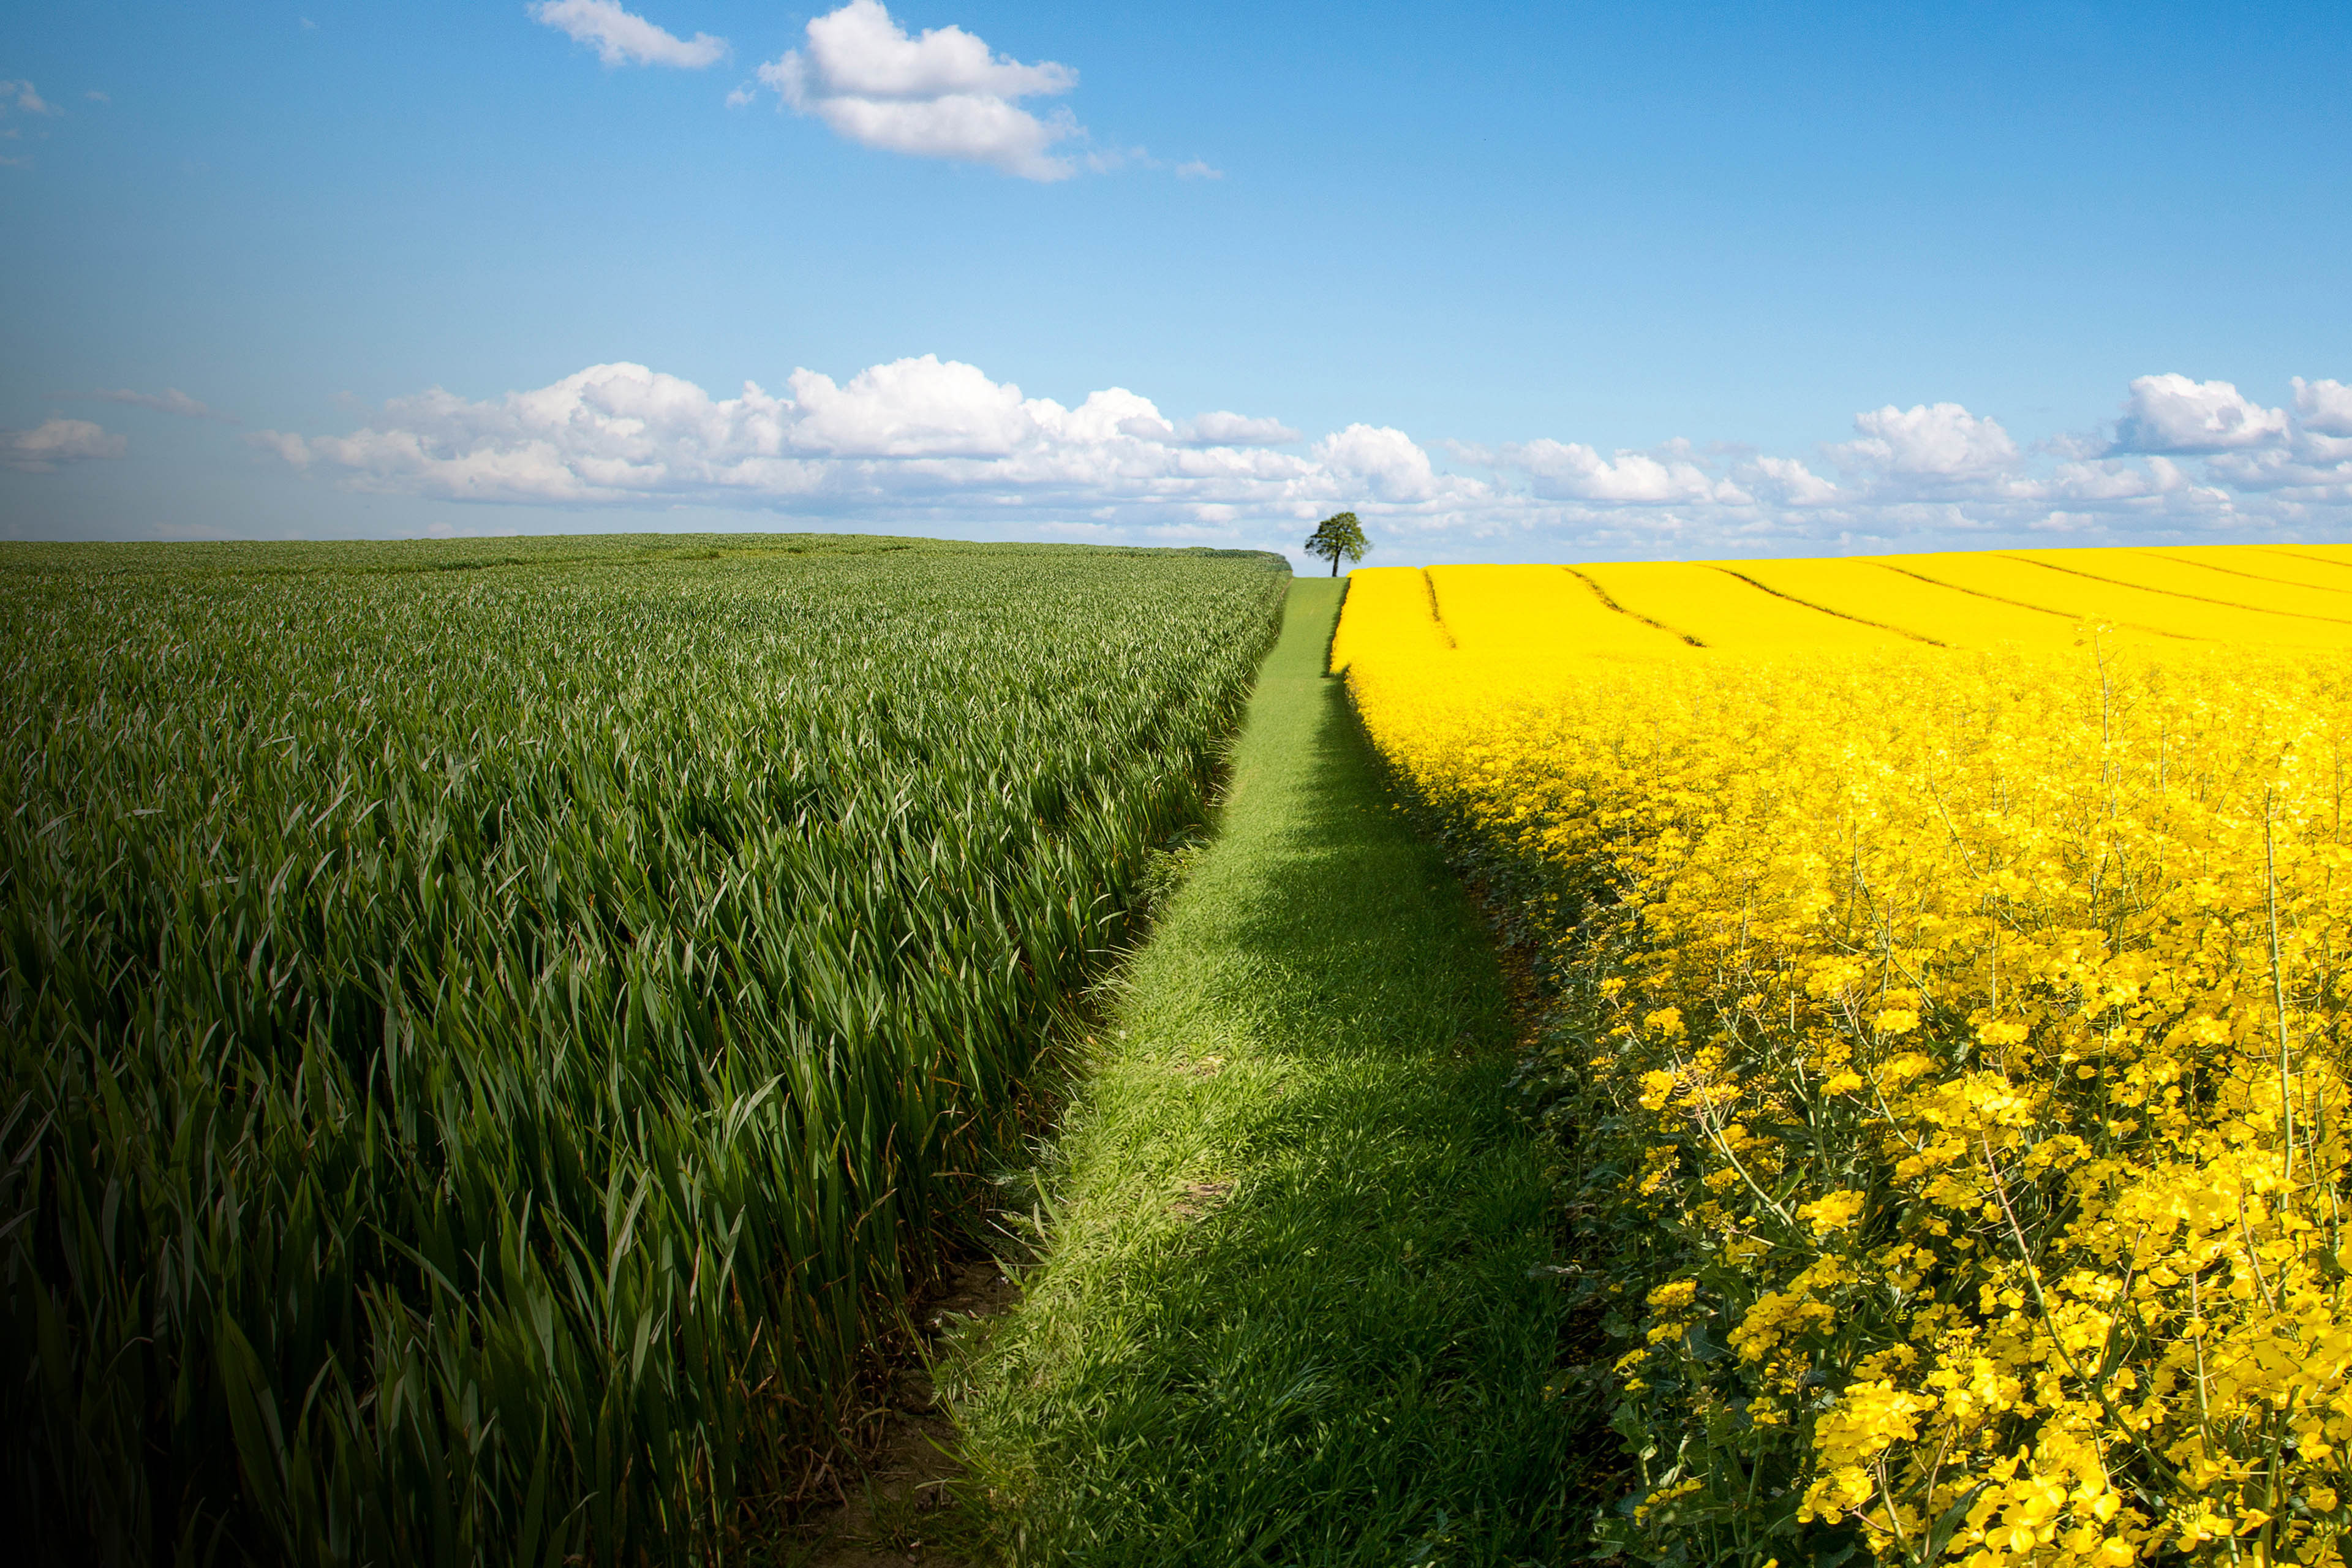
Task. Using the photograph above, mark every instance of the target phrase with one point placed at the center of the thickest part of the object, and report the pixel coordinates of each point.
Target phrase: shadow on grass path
(1285, 1315)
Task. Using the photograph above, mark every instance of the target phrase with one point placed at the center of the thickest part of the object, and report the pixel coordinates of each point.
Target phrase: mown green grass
(483, 1053)
(1294, 1306)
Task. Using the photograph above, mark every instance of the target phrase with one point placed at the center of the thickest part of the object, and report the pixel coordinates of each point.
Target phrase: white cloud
(1941, 440)
(1197, 170)
(97, 97)
(2173, 413)
(1380, 458)
(932, 441)
(172, 400)
(1110, 159)
(622, 38)
(2314, 469)
(2106, 480)
(860, 51)
(916, 408)
(1222, 429)
(1572, 470)
(903, 439)
(942, 95)
(54, 441)
(292, 449)
(2324, 405)
(20, 96)
(1788, 479)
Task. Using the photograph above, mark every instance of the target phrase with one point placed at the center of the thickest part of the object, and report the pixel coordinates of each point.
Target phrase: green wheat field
(494, 1031)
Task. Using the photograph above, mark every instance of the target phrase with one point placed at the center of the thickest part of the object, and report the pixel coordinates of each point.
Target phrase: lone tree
(1336, 536)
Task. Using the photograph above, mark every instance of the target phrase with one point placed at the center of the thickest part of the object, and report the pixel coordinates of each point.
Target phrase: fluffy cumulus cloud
(932, 441)
(2324, 408)
(1571, 470)
(904, 438)
(1223, 429)
(1788, 482)
(55, 441)
(1935, 441)
(1383, 464)
(2173, 413)
(942, 95)
(622, 38)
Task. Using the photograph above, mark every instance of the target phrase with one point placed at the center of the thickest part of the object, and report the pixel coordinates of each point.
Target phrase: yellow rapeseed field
(1952, 961)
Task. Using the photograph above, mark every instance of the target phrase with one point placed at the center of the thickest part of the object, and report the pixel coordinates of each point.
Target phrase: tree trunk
(1334, 564)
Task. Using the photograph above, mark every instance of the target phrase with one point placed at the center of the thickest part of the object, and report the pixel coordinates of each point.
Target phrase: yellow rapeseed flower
(1955, 992)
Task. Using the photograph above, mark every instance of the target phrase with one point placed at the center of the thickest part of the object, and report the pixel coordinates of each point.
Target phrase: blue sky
(1516, 282)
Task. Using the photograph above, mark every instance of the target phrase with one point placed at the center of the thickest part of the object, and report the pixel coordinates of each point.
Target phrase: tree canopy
(1338, 535)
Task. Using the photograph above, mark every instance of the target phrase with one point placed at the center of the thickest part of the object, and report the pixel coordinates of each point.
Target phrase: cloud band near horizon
(926, 439)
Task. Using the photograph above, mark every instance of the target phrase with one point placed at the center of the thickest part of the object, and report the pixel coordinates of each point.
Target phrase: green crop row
(485, 1050)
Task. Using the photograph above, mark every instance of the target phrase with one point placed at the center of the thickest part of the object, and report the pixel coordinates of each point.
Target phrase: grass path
(1285, 1315)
